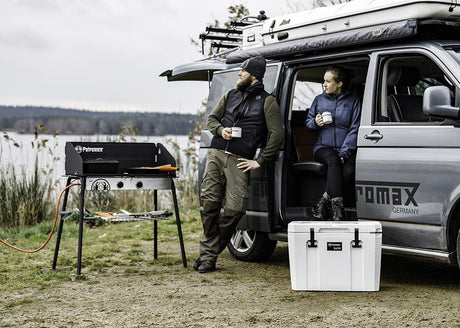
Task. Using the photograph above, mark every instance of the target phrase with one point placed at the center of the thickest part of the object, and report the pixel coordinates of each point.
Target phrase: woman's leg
(331, 159)
(334, 164)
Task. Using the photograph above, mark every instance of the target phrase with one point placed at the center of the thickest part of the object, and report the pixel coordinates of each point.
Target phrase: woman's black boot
(319, 209)
(338, 212)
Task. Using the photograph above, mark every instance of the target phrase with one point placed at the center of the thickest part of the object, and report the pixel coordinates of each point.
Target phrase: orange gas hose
(56, 213)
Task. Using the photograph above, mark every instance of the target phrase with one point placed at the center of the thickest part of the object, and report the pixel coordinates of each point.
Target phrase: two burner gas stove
(104, 166)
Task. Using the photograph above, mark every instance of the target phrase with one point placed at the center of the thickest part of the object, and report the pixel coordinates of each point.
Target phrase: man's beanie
(255, 66)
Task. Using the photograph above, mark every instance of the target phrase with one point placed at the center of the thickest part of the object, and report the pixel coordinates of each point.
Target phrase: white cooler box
(338, 256)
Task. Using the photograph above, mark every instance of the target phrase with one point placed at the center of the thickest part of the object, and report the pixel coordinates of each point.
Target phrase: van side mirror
(436, 102)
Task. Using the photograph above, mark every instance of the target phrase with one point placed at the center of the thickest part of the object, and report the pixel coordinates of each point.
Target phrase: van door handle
(374, 136)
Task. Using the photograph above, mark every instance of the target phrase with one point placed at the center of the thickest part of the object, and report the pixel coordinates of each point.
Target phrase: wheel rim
(242, 240)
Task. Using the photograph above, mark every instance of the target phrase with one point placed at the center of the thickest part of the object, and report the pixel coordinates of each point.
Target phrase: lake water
(49, 150)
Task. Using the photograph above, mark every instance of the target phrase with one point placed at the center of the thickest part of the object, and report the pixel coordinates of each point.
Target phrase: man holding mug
(243, 118)
(335, 114)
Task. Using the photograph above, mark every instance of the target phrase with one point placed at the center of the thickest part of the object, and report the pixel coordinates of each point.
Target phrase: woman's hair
(340, 75)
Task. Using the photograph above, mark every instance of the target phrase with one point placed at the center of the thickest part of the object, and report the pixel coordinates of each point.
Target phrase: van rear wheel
(251, 246)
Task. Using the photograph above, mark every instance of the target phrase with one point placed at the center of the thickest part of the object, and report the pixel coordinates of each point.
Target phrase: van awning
(201, 70)
(363, 35)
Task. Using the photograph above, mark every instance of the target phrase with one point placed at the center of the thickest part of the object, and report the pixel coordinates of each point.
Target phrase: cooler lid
(334, 227)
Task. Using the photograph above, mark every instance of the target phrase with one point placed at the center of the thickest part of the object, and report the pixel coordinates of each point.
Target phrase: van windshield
(455, 52)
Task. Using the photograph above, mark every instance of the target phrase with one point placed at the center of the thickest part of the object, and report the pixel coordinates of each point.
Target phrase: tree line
(24, 119)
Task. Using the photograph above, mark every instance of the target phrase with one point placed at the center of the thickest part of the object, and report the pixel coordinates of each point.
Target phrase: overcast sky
(106, 54)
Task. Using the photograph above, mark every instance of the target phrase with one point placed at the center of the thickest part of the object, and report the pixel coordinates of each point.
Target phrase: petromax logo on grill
(80, 149)
(100, 185)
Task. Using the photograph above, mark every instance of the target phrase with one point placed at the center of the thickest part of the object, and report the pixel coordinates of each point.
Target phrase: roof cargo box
(345, 17)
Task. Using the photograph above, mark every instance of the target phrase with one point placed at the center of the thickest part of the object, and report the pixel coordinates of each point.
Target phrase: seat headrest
(403, 76)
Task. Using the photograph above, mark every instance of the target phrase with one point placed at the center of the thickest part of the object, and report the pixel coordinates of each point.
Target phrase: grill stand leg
(80, 224)
(155, 226)
(61, 224)
(179, 227)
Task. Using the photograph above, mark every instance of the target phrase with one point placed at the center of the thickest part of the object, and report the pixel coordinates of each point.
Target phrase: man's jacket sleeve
(275, 130)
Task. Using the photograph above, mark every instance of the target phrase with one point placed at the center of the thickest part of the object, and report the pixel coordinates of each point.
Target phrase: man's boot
(319, 209)
(207, 266)
(338, 213)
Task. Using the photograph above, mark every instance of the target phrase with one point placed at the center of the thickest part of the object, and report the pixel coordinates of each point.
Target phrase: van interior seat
(304, 140)
(405, 107)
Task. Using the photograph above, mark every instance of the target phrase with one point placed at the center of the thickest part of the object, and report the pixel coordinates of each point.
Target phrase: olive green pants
(223, 185)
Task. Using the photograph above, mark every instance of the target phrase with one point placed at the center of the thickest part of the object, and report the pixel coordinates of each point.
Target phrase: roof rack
(229, 38)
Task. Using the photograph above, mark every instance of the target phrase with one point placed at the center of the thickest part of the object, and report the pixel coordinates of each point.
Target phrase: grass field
(125, 245)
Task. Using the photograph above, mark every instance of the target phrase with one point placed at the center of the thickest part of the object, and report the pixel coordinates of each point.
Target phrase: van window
(403, 81)
(223, 82)
(305, 92)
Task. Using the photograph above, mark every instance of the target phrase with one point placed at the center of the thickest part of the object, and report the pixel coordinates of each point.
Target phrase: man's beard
(242, 84)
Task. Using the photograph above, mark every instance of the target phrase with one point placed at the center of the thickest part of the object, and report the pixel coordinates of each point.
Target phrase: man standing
(240, 122)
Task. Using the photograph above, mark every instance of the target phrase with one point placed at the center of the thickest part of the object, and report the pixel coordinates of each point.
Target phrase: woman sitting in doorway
(335, 114)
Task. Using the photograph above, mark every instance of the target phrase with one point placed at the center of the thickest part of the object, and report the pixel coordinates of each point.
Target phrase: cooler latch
(356, 243)
(312, 242)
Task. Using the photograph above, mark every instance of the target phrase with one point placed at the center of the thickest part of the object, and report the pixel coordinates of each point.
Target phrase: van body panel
(417, 236)
(413, 185)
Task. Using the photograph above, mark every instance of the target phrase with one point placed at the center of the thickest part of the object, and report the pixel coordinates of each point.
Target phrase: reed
(24, 201)
(25, 197)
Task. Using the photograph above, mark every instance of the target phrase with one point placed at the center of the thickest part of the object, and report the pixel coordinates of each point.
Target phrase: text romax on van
(404, 56)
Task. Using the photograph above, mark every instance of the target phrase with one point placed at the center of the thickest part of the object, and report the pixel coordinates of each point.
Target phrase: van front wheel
(458, 248)
(251, 246)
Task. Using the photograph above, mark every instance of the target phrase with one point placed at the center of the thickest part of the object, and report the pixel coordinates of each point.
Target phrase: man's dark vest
(249, 116)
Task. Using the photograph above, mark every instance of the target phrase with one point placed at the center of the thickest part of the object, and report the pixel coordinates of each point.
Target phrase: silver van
(407, 74)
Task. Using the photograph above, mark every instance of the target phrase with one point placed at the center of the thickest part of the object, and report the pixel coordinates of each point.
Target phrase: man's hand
(227, 133)
(247, 164)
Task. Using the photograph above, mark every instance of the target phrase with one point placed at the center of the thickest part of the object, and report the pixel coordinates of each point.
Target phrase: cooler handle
(312, 242)
(356, 243)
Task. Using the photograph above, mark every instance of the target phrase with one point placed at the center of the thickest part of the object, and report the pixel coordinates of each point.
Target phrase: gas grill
(104, 166)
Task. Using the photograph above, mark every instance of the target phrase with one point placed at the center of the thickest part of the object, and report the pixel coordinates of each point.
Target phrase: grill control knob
(120, 184)
(139, 184)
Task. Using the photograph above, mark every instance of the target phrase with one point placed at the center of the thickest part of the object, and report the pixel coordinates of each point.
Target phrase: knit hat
(255, 66)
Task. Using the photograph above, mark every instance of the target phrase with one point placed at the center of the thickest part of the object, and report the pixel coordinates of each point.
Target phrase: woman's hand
(319, 120)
